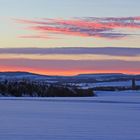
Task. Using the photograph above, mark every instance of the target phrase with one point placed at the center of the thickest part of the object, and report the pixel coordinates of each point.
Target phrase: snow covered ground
(109, 116)
(106, 84)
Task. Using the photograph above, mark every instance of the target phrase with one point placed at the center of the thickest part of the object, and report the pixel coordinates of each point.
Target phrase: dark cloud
(112, 51)
(70, 65)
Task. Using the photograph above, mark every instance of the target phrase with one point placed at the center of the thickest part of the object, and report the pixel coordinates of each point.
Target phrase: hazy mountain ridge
(80, 77)
(18, 73)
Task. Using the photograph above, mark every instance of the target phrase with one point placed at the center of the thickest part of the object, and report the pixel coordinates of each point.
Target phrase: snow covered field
(106, 84)
(109, 116)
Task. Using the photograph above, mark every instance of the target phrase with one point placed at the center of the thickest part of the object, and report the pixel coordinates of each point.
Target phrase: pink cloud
(36, 36)
(84, 27)
(73, 65)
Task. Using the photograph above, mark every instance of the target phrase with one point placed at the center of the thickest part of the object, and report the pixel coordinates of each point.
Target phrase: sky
(68, 37)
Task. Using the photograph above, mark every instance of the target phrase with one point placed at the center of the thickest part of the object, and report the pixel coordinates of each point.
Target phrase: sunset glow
(70, 37)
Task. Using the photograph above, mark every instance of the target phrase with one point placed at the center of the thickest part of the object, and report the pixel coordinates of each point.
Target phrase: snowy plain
(106, 84)
(108, 116)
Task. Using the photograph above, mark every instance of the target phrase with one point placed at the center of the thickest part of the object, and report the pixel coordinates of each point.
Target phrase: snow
(106, 84)
(108, 116)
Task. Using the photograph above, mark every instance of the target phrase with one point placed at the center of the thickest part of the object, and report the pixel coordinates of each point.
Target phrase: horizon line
(84, 73)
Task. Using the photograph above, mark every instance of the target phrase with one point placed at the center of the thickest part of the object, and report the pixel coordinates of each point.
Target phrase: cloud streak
(72, 66)
(109, 27)
(111, 51)
(36, 37)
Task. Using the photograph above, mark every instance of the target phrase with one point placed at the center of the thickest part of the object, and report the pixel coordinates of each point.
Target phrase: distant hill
(18, 75)
(77, 78)
(102, 75)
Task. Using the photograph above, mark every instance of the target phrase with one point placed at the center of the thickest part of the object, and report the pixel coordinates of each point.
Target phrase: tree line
(33, 89)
